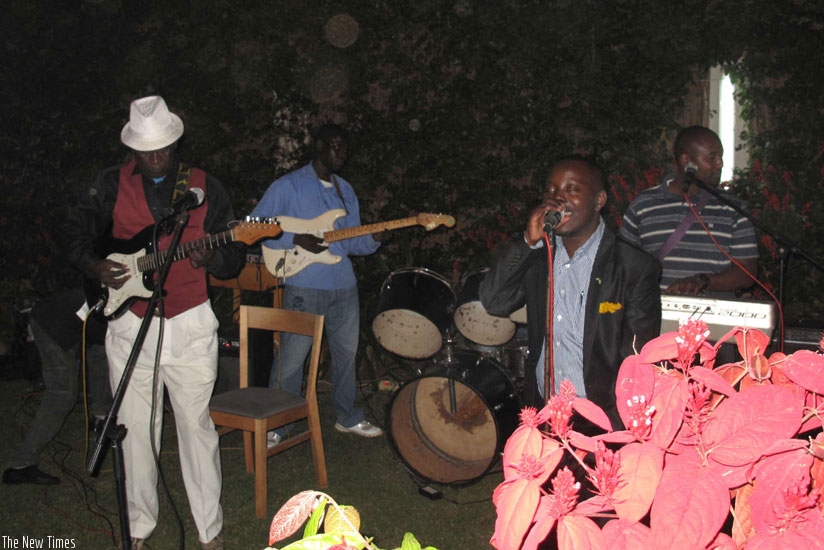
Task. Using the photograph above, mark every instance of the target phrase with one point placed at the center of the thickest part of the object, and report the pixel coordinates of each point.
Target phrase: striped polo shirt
(657, 212)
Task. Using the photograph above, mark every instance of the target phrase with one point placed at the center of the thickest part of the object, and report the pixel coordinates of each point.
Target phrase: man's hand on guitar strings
(310, 243)
(109, 273)
(201, 257)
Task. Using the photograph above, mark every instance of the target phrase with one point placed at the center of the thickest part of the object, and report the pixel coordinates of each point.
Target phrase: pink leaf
(291, 516)
(579, 533)
(585, 442)
(639, 475)
(748, 422)
(623, 535)
(723, 542)
(773, 476)
(736, 476)
(592, 412)
(544, 522)
(515, 502)
(592, 506)
(613, 437)
(659, 349)
(751, 341)
(668, 400)
(806, 368)
(712, 380)
(690, 505)
(635, 379)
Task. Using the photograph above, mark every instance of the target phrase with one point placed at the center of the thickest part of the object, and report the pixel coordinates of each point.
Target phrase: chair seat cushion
(255, 402)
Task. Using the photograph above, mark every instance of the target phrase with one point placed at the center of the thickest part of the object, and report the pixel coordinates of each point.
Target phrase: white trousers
(188, 369)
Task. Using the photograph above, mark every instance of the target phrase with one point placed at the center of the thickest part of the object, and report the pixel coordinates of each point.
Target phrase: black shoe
(29, 474)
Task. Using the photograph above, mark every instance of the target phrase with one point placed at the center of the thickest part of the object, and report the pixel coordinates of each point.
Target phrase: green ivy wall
(457, 107)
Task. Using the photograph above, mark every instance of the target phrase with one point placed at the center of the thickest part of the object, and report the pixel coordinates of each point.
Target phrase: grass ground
(362, 472)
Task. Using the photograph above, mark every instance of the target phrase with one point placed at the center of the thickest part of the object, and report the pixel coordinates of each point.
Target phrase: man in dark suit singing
(606, 300)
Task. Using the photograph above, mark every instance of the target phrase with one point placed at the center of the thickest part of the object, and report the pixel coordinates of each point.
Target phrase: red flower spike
(692, 334)
(564, 493)
(558, 412)
(781, 492)
(605, 475)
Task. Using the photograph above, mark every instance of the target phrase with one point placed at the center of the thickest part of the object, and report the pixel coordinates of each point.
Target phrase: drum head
(413, 313)
(473, 321)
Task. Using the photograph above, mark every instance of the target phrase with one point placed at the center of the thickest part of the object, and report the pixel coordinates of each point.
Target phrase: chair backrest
(280, 320)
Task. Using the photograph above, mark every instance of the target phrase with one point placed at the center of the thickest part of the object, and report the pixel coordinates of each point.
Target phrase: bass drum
(413, 312)
(450, 424)
(474, 322)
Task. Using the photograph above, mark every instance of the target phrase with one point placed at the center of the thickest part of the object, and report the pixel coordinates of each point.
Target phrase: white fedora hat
(151, 126)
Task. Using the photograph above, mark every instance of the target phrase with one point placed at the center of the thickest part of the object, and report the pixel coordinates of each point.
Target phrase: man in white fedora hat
(126, 199)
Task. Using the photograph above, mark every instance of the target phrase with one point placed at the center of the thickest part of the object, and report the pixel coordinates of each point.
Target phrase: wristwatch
(704, 279)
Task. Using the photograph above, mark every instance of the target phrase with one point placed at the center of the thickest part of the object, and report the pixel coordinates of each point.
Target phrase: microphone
(552, 219)
(191, 199)
(691, 169)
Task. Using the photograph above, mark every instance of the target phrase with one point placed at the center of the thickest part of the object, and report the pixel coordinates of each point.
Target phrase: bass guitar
(285, 263)
(142, 262)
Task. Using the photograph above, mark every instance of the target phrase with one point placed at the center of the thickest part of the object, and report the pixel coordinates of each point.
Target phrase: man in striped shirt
(693, 264)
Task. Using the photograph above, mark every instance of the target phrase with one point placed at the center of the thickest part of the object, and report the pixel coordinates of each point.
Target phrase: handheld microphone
(552, 219)
(191, 199)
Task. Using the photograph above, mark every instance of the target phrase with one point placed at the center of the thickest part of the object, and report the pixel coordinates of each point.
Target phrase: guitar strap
(182, 182)
(686, 223)
(337, 188)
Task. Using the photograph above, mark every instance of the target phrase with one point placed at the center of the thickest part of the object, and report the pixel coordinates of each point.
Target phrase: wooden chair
(257, 410)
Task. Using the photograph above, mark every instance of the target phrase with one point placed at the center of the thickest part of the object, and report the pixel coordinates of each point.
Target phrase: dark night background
(456, 107)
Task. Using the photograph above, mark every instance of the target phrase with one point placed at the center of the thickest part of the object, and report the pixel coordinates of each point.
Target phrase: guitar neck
(151, 262)
(352, 232)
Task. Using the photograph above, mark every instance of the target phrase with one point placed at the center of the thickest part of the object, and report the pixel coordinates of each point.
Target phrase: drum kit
(448, 423)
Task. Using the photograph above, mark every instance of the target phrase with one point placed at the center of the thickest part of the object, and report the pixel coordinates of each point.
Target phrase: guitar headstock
(253, 229)
(431, 221)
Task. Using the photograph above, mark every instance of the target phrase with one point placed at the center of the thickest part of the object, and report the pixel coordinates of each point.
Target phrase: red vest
(185, 286)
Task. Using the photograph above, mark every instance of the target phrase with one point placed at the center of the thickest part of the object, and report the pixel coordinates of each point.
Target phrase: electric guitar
(285, 263)
(142, 262)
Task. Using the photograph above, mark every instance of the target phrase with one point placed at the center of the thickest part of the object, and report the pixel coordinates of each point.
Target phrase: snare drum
(413, 312)
(474, 322)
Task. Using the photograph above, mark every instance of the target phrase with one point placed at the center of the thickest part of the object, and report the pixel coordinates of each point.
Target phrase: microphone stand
(113, 432)
(549, 363)
(785, 244)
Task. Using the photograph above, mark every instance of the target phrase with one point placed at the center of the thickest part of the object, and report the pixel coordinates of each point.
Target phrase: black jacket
(621, 275)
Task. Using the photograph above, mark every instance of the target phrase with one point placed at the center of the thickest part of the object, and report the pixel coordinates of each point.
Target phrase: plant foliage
(714, 456)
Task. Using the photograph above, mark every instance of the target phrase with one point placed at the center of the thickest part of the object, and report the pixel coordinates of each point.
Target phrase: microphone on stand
(191, 199)
(689, 171)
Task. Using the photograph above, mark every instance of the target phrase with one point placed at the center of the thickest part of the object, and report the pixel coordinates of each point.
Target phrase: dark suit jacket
(621, 274)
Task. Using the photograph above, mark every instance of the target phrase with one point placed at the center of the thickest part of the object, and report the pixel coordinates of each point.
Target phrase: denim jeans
(61, 378)
(342, 330)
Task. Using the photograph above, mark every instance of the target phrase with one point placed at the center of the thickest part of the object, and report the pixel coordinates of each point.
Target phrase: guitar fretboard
(351, 232)
(152, 262)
